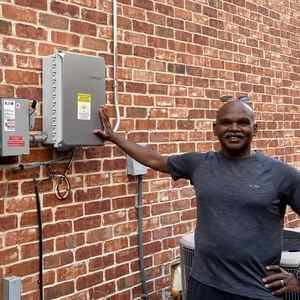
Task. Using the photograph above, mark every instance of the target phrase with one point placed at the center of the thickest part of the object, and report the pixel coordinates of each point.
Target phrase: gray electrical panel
(14, 115)
(73, 90)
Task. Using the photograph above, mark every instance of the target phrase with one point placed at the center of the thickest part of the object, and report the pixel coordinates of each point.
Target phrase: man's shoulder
(277, 164)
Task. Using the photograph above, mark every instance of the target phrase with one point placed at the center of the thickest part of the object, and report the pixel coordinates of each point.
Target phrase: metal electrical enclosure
(12, 288)
(14, 115)
(73, 90)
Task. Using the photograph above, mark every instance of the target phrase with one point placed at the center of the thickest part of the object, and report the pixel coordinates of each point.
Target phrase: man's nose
(234, 126)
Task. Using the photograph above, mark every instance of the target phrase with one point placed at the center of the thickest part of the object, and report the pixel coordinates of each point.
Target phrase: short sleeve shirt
(240, 210)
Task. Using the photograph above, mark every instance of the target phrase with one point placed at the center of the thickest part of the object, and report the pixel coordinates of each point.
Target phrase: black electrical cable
(40, 225)
(139, 208)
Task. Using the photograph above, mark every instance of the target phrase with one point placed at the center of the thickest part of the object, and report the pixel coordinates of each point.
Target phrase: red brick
(52, 21)
(134, 13)
(31, 250)
(5, 27)
(65, 38)
(71, 272)
(87, 166)
(88, 251)
(6, 59)
(164, 9)
(161, 208)
(88, 3)
(9, 256)
(114, 218)
(69, 212)
(146, 4)
(42, 4)
(28, 62)
(6, 91)
(95, 44)
(143, 27)
(64, 9)
(21, 77)
(59, 290)
(101, 291)
(31, 32)
(83, 28)
(30, 218)
(21, 46)
(144, 52)
(125, 229)
(51, 230)
(115, 244)
(16, 13)
(23, 268)
(116, 272)
(94, 16)
(8, 222)
(97, 235)
(86, 281)
(58, 260)
(86, 223)
(69, 241)
(156, 18)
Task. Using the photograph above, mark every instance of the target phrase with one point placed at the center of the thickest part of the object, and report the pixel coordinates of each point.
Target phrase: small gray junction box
(73, 90)
(14, 114)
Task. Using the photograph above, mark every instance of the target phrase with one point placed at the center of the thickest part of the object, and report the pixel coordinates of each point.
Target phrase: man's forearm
(145, 156)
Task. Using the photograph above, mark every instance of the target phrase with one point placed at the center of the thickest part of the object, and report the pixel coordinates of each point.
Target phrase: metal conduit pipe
(139, 208)
(40, 226)
(115, 64)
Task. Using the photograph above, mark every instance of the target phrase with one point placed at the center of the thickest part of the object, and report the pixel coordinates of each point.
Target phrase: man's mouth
(233, 137)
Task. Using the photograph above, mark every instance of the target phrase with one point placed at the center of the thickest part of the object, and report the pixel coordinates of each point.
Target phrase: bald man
(241, 200)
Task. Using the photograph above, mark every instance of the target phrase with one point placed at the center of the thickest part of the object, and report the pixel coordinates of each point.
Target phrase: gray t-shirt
(240, 209)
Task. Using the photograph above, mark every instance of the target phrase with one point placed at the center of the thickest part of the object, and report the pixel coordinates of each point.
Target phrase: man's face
(235, 128)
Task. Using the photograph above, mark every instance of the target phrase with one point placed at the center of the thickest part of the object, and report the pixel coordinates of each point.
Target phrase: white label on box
(9, 115)
(84, 106)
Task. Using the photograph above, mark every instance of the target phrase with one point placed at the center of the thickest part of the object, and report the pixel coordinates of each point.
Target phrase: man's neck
(237, 155)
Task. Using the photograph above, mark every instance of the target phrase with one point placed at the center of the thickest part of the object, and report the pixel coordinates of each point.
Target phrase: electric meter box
(14, 115)
(73, 90)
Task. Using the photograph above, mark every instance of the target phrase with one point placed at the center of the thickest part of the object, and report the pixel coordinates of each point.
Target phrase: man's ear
(214, 128)
(255, 129)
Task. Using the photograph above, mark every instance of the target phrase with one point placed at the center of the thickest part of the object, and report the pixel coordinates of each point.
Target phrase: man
(241, 200)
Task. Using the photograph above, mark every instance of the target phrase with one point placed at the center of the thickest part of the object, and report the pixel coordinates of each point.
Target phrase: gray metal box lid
(73, 90)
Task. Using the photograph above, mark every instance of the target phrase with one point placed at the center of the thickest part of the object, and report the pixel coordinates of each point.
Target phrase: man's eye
(225, 122)
(244, 123)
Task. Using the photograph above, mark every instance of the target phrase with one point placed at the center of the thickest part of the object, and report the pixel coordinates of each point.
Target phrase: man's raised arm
(145, 156)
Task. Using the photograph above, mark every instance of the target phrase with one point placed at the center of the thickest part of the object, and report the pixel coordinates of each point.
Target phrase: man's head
(235, 127)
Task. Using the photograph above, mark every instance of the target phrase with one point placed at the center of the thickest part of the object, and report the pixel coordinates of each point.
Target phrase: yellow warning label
(84, 97)
(84, 106)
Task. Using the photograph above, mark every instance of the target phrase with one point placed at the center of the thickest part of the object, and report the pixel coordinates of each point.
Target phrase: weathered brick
(5, 27)
(58, 260)
(88, 251)
(64, 9)
(94, 16)
(83, 28)
(17, 13)
(51, 21)
(59, 290)
(41, 4)
(9, 255)
(64, 38)
(31, 32)
(28, 62)
(86, 281)
(87, 223)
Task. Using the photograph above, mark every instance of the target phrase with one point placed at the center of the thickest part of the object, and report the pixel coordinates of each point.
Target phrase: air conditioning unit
(290, 260)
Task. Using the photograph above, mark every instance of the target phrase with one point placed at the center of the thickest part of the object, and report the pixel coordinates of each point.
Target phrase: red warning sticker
(15, 141)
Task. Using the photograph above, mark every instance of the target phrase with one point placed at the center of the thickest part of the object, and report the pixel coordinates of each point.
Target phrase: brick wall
(176, 58)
